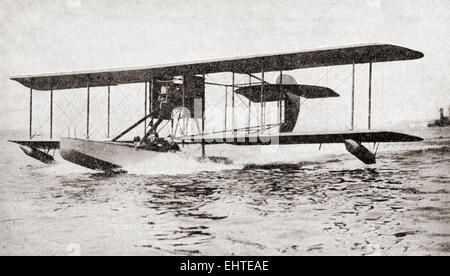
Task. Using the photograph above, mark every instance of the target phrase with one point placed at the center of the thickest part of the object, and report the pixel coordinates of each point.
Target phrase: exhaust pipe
(360, 152)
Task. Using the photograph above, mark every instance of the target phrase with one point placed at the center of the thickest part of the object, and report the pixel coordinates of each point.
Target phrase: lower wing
(291, 138)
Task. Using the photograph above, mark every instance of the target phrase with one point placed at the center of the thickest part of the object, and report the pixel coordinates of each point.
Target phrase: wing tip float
(36, 149)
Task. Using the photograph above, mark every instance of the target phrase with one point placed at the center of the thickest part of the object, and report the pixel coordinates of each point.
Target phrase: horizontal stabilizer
(290, 138)
(276, 92)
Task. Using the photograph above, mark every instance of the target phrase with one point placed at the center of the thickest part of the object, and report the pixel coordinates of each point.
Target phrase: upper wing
(289, 138)
(251, 64)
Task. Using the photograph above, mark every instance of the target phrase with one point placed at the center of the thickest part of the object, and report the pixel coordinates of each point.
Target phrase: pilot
(163, 95)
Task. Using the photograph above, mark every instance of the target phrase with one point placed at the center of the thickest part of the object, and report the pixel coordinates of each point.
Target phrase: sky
(43, 36)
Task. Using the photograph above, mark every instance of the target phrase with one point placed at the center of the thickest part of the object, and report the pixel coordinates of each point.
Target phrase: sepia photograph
(250, 128)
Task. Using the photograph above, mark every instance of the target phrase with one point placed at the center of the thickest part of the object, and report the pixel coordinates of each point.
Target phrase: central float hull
(103, 155)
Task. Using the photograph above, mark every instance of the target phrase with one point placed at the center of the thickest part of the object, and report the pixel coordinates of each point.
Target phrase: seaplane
(176, 94)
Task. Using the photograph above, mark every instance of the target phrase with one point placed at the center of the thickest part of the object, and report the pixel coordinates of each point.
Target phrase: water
(310, 204)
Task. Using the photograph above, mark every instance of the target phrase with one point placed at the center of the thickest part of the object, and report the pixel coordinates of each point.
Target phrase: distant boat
(443, 121)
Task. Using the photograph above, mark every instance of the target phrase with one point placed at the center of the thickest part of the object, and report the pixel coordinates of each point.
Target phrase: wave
(292, 166)
(180, 163)
(430, 150)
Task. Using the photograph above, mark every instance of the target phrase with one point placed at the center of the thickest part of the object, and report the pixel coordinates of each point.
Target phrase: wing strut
(232, 101)
(370, 96)
(262, 97)
(353, 96)
(145, 106)
(226, 108)
(135, 125)
(249, 106)
(203, 119)
(280, 87)
(31, 114)
(151, 99)
(51, 114)
(109, 111)
(152, 130)
(87, 110)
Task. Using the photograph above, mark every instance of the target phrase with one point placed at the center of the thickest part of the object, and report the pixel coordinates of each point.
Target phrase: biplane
(176, 93)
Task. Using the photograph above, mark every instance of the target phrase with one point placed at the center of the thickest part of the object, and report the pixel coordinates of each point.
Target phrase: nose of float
(360, 152)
